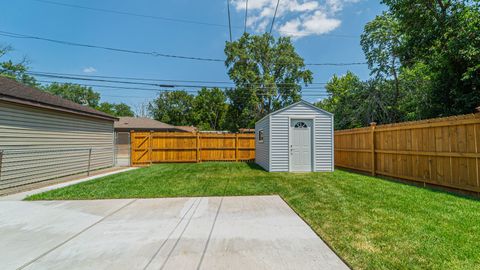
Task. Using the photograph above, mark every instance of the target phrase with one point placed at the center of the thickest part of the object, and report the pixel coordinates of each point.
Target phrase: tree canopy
(16, 71)
(173, 107)
(424, 58)
(210, 109)
(268, 74)
(77, 93)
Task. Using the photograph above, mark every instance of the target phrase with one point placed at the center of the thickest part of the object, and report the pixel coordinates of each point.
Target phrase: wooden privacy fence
(158, 147)
(441, 151)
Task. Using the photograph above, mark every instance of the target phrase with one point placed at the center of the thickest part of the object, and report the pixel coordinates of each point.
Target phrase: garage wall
(279, 160)
(262, 148)
(41, 144)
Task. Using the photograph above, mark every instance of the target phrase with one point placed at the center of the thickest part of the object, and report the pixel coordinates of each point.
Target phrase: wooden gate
(160, 147)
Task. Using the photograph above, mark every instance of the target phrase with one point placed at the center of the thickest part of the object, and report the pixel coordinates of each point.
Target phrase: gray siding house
(43, 136)
(297, 138)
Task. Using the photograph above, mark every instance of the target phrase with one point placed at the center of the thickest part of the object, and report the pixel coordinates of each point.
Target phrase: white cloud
(296, 18)
(89, 70)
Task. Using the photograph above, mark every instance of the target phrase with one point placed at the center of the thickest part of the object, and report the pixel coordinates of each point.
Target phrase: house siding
(323, 138)
(35, 142)
(262, 149)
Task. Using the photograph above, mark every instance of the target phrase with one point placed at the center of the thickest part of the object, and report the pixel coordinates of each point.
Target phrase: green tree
(115, 109)
(445, 36)
(77, 93)
(268, 74)
(417, 90)
(356, 103)
(342, 91)
(16, 71)
(210, 109)
(122, 109)
(173, 107)
(381, 42)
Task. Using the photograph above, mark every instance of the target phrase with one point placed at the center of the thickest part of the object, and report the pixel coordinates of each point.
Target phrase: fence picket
(158, 147)
(441, 151)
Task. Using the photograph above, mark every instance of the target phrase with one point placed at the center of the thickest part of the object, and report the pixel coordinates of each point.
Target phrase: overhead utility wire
(35, 72)
(155, 54)
(229, 20)
(246, 16)
(145, 83)
(274, 15)
(130, 13)
(309, 94)
(171, 19)
(336, 64)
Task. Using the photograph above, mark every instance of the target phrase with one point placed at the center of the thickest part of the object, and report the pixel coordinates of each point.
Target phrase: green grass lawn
(371, 223)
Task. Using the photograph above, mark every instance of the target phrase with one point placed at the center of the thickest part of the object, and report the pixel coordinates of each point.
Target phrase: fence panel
(441, 151)
(158, 147)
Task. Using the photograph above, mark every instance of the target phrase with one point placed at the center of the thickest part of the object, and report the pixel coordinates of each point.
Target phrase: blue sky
(324, 32)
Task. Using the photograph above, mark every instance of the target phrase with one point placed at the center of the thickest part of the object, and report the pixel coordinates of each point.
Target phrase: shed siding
(262, 149)
(280, 132)
(35, 143)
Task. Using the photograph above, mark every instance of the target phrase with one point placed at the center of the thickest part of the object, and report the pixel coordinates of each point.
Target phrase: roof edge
(294, 104)
(36, 104)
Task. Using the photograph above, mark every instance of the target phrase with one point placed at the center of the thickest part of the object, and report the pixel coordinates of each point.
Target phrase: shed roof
(15, 92)
(295, 104)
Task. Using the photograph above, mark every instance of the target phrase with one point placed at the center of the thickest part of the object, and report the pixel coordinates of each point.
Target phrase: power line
(145, 83)
(246, 16)
(153, 79)
(130, 13)
(274, 15)
(153, 53)
(117, 12)
(336, 64)
(157, 91)
(229, 21)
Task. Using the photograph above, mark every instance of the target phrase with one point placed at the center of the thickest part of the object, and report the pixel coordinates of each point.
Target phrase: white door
(301, 145)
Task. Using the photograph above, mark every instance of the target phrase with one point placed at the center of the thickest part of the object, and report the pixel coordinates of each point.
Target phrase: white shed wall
(262, 149)
(323, 137)
(39, 132)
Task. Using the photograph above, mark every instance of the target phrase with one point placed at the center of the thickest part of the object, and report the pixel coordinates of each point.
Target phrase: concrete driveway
(258, 232)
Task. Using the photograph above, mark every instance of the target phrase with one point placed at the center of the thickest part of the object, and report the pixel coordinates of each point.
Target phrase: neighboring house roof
(295, 104)
(15, 92)
(191, 129)
(140, 123)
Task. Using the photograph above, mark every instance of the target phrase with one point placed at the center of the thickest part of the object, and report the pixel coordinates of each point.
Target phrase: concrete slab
(257, 232)
(29, 229)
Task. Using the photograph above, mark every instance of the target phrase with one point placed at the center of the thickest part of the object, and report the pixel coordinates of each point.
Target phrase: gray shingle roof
(15, 92)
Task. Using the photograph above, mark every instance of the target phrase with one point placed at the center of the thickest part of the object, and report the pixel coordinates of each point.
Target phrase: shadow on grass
(431, 187)
(255, 166)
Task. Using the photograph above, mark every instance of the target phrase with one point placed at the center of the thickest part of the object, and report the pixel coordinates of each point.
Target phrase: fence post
(372, 127)
(476, 159)
(131, 141)
(236, 147)
(150, 138)
(89, 161)
(198, 147)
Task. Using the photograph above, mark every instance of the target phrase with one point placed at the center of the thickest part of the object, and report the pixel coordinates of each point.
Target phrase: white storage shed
(297, 138)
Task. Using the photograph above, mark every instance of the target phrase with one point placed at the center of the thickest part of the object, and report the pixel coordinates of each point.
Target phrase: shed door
(301, 145)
